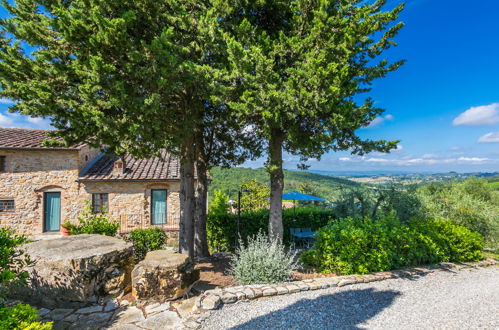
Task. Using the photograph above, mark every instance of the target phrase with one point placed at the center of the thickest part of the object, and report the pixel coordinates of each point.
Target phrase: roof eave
(39, 149)
(127, 180)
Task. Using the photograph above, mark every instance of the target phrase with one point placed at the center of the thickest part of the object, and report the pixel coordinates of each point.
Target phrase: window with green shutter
(158, 206)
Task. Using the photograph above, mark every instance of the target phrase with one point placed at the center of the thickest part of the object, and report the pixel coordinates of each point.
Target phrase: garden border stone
(213, 299)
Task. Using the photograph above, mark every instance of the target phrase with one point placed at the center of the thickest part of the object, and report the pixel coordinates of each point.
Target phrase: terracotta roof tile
(21, 138)
(164, 167)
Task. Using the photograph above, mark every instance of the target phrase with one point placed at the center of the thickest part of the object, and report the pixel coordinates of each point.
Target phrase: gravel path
(467, 299)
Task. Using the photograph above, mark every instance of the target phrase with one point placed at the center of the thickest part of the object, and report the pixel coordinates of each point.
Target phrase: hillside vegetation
(230, 180)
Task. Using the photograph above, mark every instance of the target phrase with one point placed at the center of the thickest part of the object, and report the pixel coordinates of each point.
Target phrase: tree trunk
(200, 237)
(187, 199)
(276, 185)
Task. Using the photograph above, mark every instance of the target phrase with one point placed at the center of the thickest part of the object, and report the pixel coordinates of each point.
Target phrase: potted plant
(66, 228)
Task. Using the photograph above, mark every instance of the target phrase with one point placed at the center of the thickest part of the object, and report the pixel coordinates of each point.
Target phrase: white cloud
(13, 120)
(6, 121)
(377, 160)
(479, 116)
(379, 120)
(492, 137)
(4, 100)
(40, 123)
(473, 159)
(427, 159)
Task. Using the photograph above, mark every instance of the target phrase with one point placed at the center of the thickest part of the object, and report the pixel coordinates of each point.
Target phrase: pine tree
(301, 68)
(134, 76)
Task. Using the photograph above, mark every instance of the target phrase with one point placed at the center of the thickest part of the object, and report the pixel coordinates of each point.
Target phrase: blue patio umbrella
(298, 196)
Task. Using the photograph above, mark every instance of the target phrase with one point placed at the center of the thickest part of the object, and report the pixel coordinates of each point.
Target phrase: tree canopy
(133, 76)
(302, 67)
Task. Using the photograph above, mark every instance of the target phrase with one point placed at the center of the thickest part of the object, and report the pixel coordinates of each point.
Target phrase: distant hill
(230, 180)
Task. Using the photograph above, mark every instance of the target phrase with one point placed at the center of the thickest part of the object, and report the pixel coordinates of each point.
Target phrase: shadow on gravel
(342, 310)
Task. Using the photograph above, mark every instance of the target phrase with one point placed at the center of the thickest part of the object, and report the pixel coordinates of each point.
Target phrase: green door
(52, 210)
(158, 206)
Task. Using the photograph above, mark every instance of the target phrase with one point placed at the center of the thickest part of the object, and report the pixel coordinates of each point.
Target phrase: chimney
(119, 166)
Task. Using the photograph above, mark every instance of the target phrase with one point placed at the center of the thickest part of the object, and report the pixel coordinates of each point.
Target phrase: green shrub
(470, 203)
(222, 228)
(457, 243)
(11, 260)
(220, 203)
(93, 223)
(145, 240)
(21, 317)
(359, 246)
(262, 261)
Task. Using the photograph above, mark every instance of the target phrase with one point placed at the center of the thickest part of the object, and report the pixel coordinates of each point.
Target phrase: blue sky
(452, 53)
(443, 104)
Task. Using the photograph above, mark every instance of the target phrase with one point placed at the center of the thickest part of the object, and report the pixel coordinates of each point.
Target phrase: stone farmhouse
(41, 187)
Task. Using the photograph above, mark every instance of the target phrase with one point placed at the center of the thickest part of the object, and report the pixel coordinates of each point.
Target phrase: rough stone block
(240, 295)
(249, 293)
(269, 292)
(281, 290)
(292, 288)
(211, 302)
(228, 298)
(163, 275)
(70, 272)
(347, 281)
(302, 286)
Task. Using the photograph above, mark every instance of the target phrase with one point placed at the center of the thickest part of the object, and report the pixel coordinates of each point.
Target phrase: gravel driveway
(467, 299)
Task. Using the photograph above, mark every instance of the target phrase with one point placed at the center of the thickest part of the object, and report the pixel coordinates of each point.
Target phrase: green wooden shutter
(158, 206)
(52, 211)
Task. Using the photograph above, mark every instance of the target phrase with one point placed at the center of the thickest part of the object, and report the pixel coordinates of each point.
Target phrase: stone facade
(130, 202)
(32, 173)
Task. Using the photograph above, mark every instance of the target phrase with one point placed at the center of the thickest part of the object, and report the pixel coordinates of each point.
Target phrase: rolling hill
(230, 180)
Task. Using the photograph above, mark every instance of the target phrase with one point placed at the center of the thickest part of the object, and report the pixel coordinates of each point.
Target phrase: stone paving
(180, 314)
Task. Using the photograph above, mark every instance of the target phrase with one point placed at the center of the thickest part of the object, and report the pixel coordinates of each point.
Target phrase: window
(100, 202)
(7, 205)
(3, 164)
(158, 206)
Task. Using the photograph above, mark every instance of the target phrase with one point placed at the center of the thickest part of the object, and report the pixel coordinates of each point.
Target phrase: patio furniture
(303, 237)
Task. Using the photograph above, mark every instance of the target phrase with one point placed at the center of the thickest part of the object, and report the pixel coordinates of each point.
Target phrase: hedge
(359, 246)
(222, 228)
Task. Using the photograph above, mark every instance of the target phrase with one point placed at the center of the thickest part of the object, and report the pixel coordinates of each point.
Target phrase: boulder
(73, 271)
(163, 275)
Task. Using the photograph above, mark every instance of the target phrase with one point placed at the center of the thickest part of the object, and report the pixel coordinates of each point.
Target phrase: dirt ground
(214, 273)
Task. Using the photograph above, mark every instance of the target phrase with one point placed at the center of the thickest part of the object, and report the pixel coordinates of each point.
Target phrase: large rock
(74, 271)
(163, 275)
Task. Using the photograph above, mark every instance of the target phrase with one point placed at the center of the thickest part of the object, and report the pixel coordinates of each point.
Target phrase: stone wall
(130, 202)
(31, 173)
(86, 155)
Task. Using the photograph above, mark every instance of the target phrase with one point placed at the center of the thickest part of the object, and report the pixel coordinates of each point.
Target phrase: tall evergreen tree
(222, 141)
(134, 76)
(302, 67)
